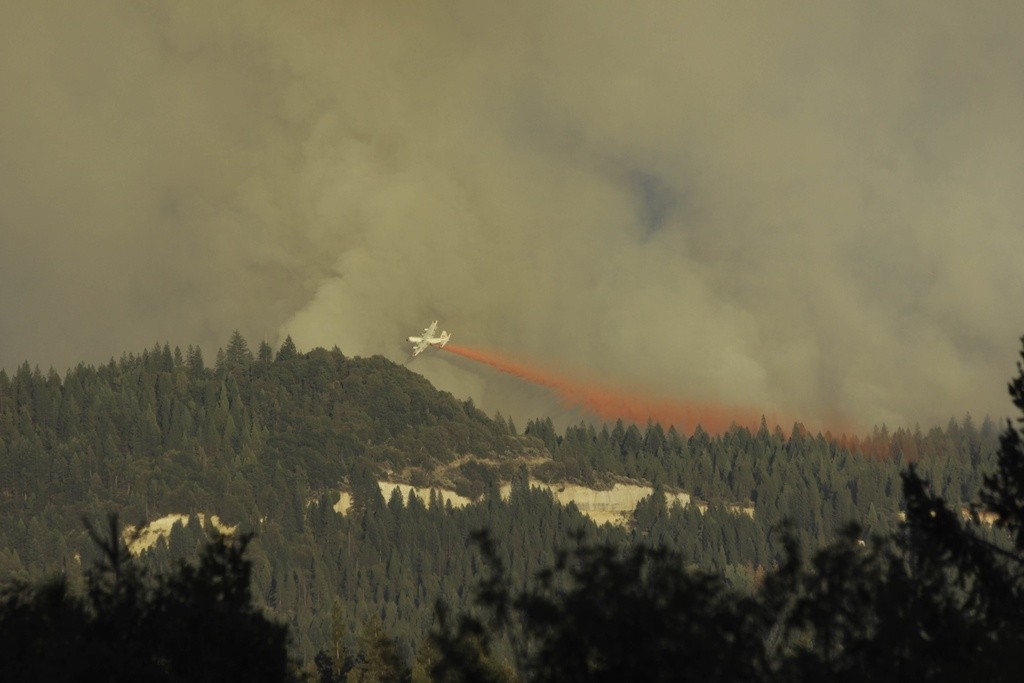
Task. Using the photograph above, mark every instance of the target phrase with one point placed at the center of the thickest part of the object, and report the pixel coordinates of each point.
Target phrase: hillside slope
(266, 441)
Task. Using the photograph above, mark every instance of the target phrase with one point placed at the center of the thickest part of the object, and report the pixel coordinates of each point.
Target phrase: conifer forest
(787, 546)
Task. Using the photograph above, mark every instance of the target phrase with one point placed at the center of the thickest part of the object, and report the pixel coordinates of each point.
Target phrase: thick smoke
(810, 208)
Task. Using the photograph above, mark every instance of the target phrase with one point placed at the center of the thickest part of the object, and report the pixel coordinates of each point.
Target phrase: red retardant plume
(611, 404)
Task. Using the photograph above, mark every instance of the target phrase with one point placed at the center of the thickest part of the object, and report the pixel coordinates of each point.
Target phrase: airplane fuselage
(428, 339)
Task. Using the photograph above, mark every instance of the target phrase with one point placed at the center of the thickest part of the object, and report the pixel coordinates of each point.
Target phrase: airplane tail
(444, 338)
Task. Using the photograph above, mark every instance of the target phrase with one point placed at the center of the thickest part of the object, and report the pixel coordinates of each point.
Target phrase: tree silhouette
(237, 355)
(287, 350)
(194, 623)
(603, 613)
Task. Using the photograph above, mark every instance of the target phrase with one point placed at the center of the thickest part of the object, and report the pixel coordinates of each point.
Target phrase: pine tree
(237, 355)
(265, 353)
(1004, 490)
(194, 360)
(287, 350)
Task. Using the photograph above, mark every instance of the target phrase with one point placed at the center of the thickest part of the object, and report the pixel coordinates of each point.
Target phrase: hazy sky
(812, 208)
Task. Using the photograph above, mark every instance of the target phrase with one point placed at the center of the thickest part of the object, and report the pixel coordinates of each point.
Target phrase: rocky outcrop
(614, 505)
(148, 535)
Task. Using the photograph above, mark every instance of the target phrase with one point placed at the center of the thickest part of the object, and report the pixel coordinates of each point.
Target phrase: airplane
(428, 339)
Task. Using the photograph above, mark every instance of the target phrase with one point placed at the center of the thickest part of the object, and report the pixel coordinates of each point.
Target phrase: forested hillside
(160, 431)
(266, 441)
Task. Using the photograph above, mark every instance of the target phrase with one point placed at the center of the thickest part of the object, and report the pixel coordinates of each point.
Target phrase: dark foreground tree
(196, 623)
(606, 614)
(941, 599)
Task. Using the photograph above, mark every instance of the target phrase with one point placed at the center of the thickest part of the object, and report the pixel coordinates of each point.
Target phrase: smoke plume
(812, 209)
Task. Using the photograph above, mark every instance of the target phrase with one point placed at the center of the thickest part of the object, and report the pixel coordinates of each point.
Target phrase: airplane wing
(419, 344)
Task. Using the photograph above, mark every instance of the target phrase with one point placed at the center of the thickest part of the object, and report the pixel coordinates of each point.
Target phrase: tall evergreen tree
(265, 354)
(237, 355)
(287, 350)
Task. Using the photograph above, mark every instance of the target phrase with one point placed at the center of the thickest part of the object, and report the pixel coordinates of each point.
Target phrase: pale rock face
(151, 532)
(614, 506)
(344, 503)
(387, 487)
(621, 498)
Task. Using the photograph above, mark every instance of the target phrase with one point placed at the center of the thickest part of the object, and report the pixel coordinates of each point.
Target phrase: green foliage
(192, 623)
(1004, 490)
(287, 351)
(268, 444)
(603, 613)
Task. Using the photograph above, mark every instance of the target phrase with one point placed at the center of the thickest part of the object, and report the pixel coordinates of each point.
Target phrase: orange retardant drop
(610, 404)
